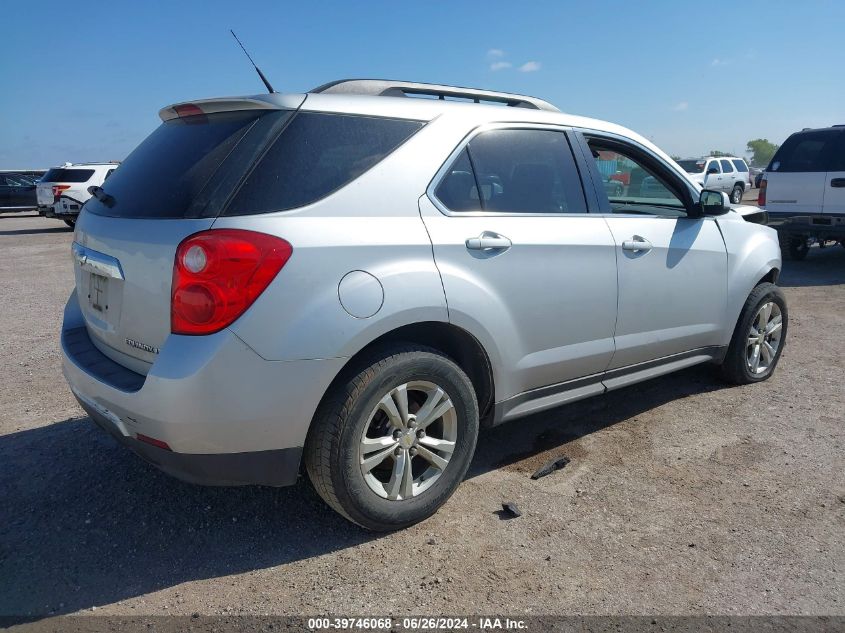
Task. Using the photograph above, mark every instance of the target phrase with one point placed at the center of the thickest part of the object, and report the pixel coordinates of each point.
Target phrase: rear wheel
(736, 194)
(70, 222)
(798, 248)
(758, 338)
(394, 438)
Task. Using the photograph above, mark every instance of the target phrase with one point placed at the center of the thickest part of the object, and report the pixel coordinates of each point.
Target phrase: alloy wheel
(408, 440)
(764, 337)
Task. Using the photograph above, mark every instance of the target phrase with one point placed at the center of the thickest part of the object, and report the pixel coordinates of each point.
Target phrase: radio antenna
(257, 69)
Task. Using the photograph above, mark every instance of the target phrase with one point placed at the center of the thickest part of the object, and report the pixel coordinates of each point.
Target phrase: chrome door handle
(487, 240)
(637, 244)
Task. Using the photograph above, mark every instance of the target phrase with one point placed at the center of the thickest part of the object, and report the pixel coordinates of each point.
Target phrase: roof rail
(391, 88)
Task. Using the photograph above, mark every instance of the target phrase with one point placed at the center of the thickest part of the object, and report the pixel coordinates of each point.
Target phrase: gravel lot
(684, 496)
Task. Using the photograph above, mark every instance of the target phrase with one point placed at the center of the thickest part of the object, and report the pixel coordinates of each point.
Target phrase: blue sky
(83, 81)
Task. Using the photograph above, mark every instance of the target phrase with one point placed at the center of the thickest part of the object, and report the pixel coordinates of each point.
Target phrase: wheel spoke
(444, 446)
(768, 352)
(432, 458)
(435, 406)
(400, 397)
(368, 463)
(432, 399)
(755, 359)
(388, 405)
(774, 326)
(407, 487)
(765, 313)
(753, 339)
(401, 479)
(372, 444)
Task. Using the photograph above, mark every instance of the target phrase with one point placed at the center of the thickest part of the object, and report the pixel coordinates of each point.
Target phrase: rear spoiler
(230, 104)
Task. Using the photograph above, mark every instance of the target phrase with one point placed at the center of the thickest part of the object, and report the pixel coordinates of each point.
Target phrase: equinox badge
(142, 346)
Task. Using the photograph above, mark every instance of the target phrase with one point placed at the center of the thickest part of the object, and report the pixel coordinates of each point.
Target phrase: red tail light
(218, 274)
(57, 191)
(761, 196)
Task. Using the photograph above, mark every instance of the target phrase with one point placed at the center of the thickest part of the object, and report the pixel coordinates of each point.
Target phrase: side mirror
(713, 202)
(712, 170)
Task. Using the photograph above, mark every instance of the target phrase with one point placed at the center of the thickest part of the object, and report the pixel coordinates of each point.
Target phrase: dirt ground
(683, 496)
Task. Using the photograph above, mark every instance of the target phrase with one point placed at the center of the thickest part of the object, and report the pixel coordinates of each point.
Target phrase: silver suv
(358, 278)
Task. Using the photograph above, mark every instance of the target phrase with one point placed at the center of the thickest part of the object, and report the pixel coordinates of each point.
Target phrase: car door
(5, 192)
(834, 187)
(672, 268)
(20, 191)
(525, 267)
(729, 175)
(713, 176)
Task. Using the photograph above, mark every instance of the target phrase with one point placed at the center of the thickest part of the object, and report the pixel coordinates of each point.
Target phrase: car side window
(803, 152)
(740, 165)
(635, 183)
(514, 171)
(726, 166)
(837, 159)
(713, 164)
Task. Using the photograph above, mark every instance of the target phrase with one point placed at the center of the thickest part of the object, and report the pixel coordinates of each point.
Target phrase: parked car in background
(803, 190)
(723, 173)
(359, 281)
(62, 191)
(756, 175)
(17, 192)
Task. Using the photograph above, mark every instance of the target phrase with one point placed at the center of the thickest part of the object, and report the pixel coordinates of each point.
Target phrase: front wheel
(393, 438)
(70, 222)
(736, 194)
(759, 337)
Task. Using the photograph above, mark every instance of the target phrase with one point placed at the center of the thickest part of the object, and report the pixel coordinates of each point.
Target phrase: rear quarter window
(804, 152)
(740, 165)
(315, 155)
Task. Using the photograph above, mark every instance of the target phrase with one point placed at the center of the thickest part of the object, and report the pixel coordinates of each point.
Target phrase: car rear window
(740, 165)
(165, 176)
(315, 155)
(804, 151)
(68, 175)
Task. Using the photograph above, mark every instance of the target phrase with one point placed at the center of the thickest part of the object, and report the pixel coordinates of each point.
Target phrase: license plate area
(98, 293)
(99, 284)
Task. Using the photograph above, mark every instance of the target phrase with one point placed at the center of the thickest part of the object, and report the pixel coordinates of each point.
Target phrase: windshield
(692, 166)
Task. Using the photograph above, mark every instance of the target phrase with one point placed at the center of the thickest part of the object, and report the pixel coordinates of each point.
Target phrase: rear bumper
(820, 224)
(57, 211)
(229, 416)
(279, 467)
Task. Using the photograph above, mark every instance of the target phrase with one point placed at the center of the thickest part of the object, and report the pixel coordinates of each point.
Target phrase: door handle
(637, 244)
(488, 241)
(837, 182)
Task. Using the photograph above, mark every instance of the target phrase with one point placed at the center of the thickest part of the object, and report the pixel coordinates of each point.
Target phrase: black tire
(332, 448)
(735, 367)
(736, 194)
(70, 223)
(797, 248)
